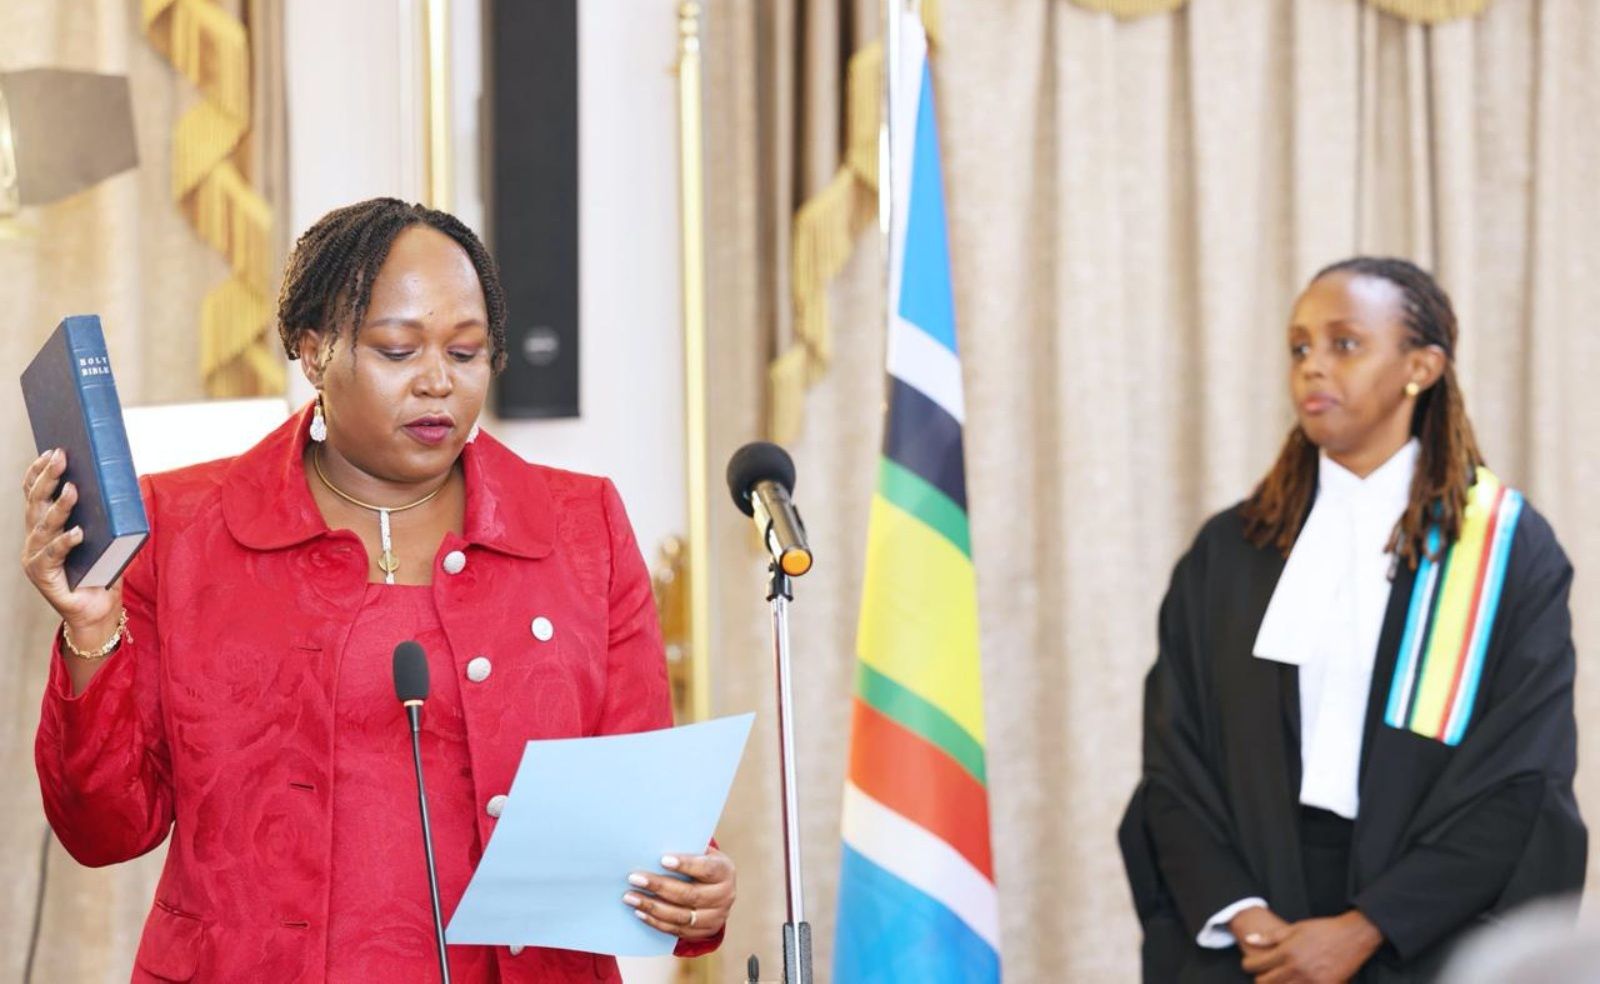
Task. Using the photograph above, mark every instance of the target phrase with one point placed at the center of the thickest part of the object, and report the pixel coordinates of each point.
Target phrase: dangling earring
(1412, 389)
(319, 425)
(472, 435)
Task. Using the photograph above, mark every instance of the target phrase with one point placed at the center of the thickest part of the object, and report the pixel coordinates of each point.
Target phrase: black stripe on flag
(921, 436)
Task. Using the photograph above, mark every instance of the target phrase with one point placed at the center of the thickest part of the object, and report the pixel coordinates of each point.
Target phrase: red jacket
(215, 720)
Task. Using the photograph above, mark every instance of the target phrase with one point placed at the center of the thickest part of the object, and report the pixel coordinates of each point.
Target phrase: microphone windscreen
(758, 461)
(410, 672)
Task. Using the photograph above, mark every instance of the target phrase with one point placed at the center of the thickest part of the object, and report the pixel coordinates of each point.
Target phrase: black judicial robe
(1446, 836)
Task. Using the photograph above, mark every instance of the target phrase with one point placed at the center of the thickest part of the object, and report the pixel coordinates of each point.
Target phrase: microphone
(411, 687)
(411, 680)
(761, 480)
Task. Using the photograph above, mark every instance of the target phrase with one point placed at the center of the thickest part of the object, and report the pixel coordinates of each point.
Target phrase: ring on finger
(694, 915)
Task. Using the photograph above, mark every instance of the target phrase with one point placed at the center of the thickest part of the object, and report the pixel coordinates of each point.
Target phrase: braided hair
(328, 282)
(1449, 459)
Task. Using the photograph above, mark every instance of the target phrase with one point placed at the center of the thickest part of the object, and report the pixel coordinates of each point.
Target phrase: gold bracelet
(105, 650)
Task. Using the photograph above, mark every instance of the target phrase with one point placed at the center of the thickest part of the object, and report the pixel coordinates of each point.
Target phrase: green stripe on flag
(920, 718)
(913, 494)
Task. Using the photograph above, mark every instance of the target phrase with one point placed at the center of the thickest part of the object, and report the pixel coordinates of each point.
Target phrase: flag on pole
(917, 896)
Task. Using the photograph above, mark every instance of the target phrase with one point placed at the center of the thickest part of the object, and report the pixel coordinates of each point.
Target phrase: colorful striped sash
(1451, 617)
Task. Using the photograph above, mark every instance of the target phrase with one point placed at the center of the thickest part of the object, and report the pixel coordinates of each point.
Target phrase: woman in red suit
(235, 688)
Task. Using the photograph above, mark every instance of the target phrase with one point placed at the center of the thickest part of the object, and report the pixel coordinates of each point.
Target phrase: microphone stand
(414, 715)
(796, 931)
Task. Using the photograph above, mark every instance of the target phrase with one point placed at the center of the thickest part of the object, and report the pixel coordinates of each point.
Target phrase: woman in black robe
(1359, 739)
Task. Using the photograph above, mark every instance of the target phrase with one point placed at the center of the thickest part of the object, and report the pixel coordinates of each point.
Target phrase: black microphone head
(410, 672)
(758, 461)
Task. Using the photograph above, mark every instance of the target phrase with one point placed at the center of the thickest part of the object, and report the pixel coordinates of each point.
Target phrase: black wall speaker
(531, 135)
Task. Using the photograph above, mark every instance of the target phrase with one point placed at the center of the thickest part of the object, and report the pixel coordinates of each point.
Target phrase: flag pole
(891, 65)
(892, 10)
(892, 19)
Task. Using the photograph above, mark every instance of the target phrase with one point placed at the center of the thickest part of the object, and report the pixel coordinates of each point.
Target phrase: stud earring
(472, 435)
(1412, 389)
(319, 425)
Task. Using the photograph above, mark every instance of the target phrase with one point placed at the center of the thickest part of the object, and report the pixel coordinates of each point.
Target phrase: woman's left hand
(692, 910)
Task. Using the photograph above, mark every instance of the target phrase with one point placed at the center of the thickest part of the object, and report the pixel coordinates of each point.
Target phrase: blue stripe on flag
(889, 932)
(925, 299)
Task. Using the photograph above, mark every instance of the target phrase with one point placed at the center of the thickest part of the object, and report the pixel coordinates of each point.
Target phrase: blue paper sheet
(582, 814)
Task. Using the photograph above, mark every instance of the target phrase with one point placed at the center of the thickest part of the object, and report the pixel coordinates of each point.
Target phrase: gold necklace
(386, 561)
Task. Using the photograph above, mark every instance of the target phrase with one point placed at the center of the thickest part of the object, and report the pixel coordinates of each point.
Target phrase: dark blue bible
(72, 405)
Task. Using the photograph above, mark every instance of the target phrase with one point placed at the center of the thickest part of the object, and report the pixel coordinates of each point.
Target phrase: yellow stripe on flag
(919, 615)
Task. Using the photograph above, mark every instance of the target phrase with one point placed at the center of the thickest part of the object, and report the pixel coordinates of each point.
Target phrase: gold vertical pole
(436, 101)
(694, 609)
(691, 165)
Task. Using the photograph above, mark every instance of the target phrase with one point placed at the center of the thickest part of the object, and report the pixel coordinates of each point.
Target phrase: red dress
(222, 720)
(377, 831)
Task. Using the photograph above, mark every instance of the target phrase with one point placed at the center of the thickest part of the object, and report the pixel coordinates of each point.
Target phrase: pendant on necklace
(386, 561)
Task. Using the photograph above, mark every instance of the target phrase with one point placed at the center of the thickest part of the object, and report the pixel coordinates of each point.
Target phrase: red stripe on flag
(917, 780)
(1472, 613)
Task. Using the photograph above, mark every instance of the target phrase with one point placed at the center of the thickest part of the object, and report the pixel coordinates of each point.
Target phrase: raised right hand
(90, 613)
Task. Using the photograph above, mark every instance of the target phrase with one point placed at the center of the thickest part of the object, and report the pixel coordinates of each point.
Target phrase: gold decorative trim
(1431, 11)
(209, 46)
(1128, 9)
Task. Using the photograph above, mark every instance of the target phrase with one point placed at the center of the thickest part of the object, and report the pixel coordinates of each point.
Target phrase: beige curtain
(1133, 206)
(121, 250)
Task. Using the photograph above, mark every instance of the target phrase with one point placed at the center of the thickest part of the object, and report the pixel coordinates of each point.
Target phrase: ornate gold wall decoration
(209, 46)
(1431, 11)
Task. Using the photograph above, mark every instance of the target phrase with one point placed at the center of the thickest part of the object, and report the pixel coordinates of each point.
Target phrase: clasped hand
(1312, 951)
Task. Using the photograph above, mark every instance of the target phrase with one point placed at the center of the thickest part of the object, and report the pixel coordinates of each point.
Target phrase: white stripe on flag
(915, 358)
(923, 861)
